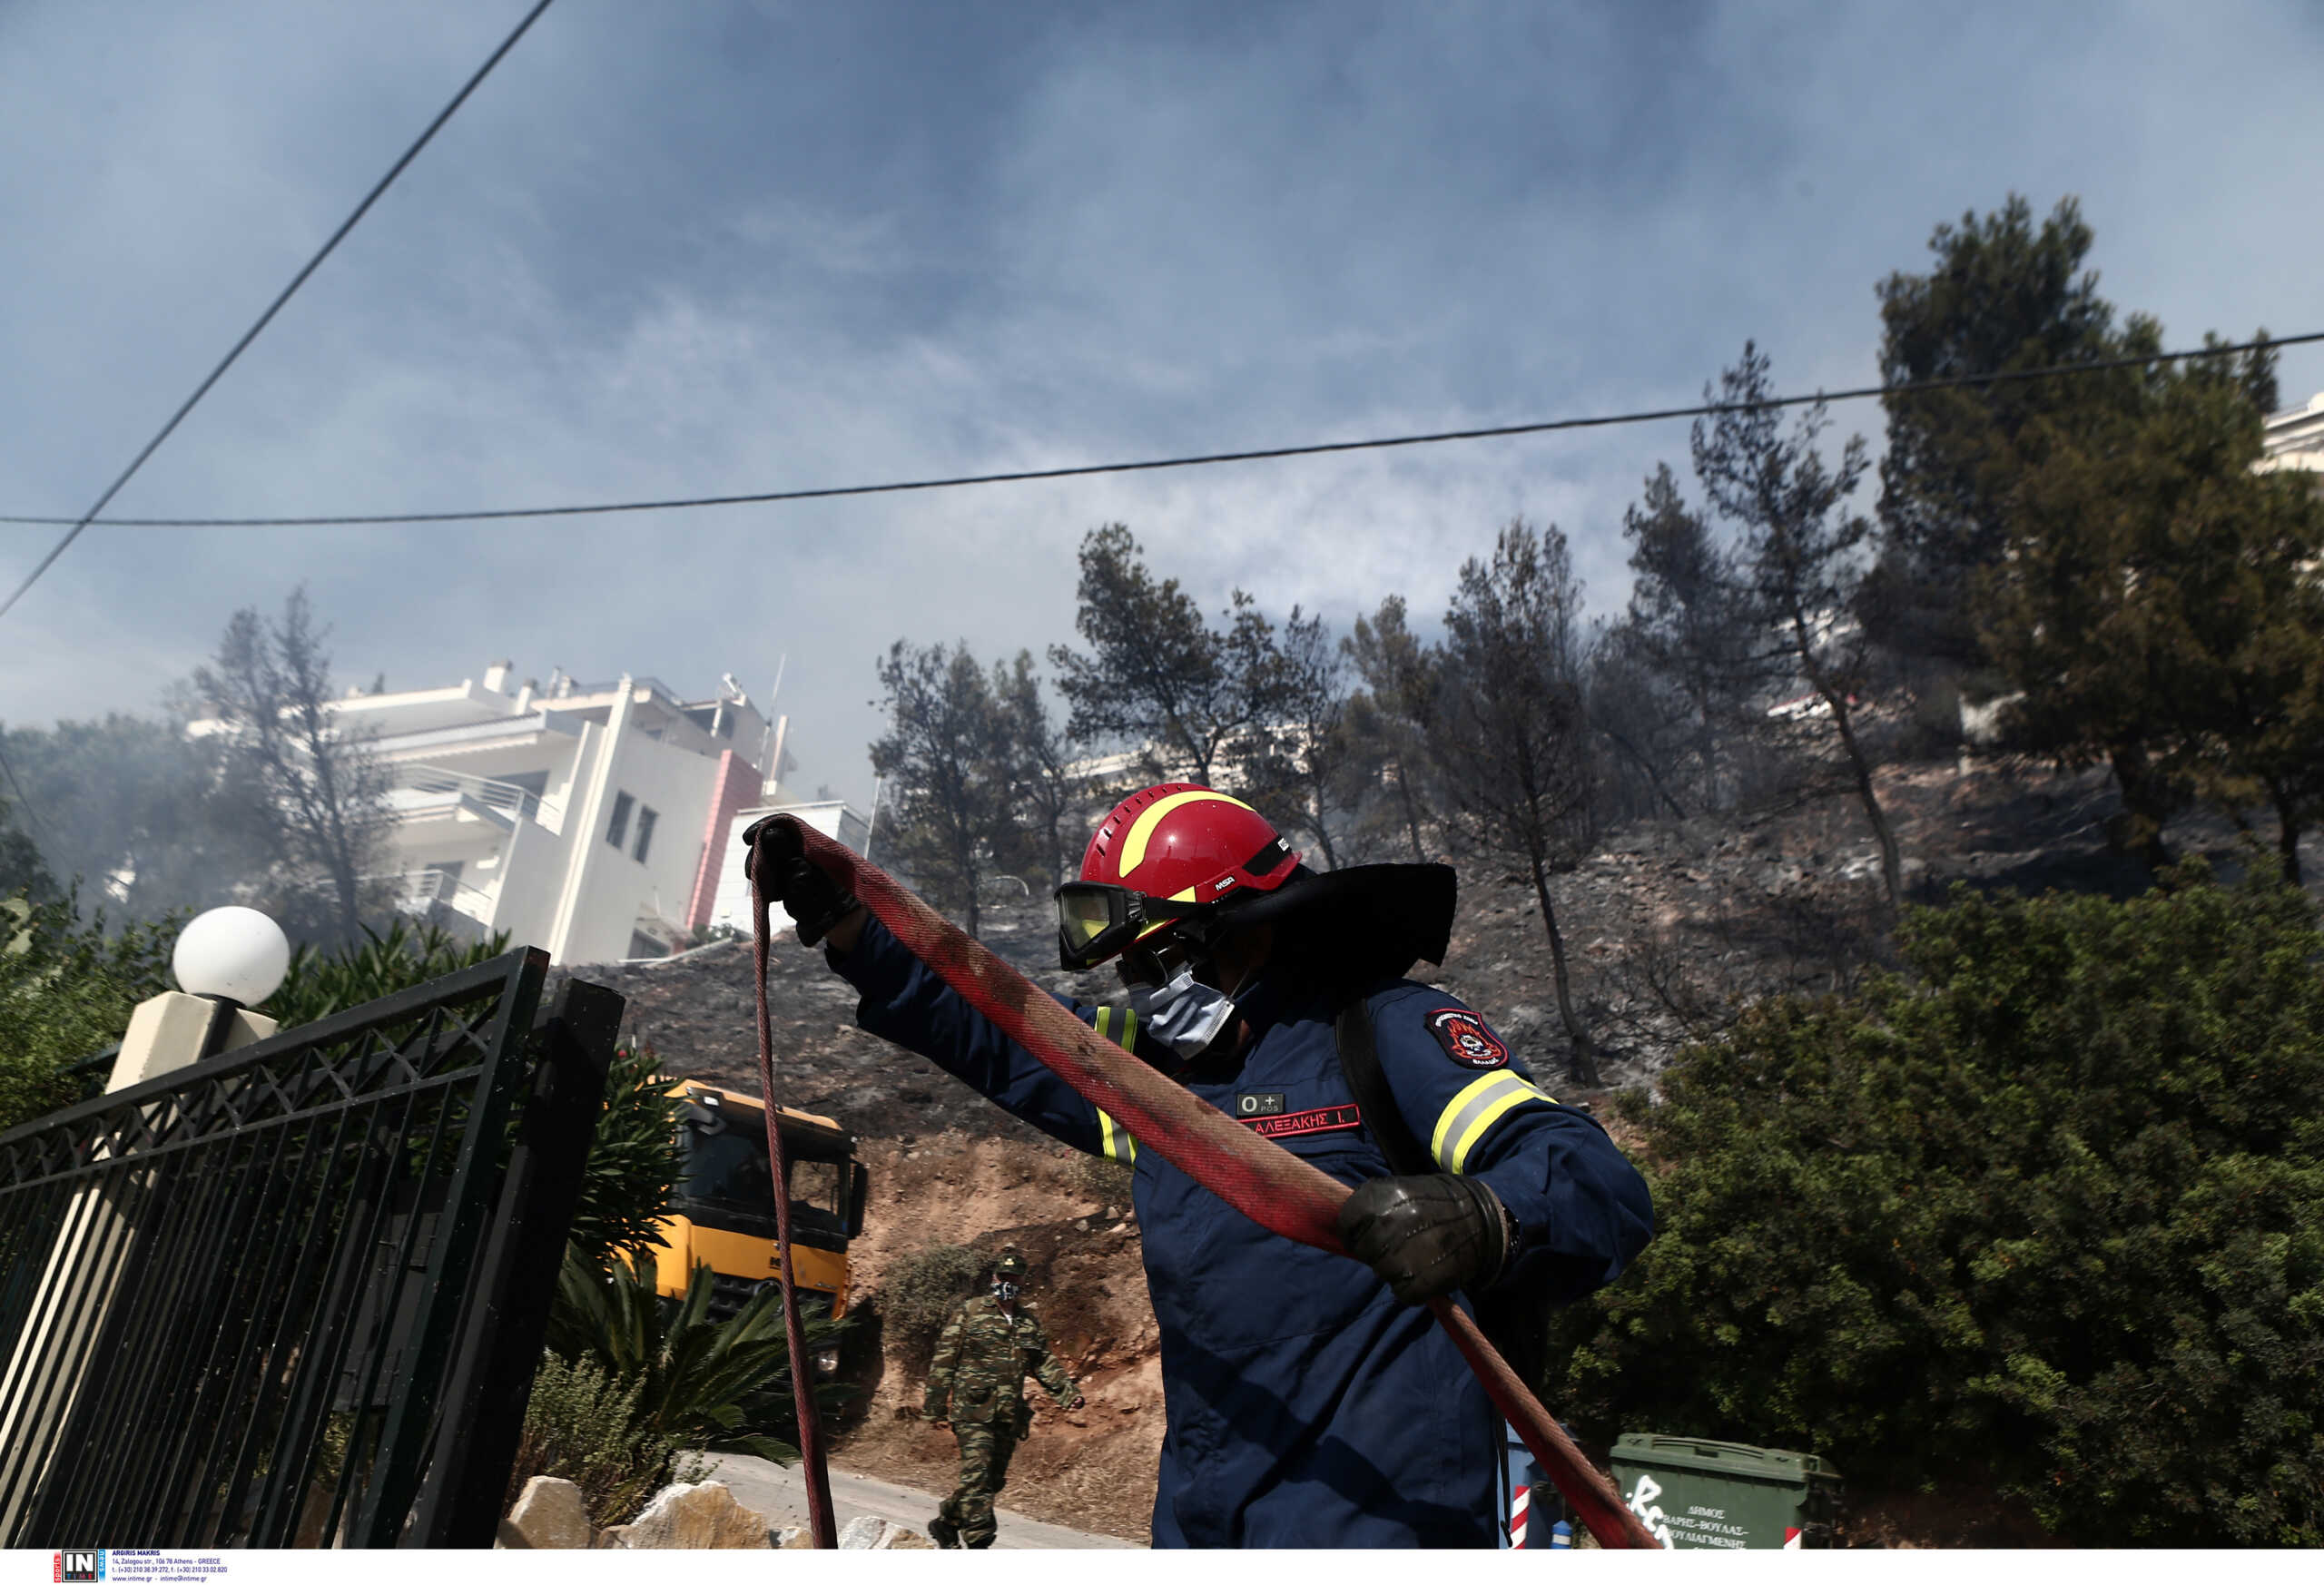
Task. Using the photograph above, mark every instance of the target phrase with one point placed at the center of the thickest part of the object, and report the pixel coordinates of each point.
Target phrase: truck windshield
(731, 1166)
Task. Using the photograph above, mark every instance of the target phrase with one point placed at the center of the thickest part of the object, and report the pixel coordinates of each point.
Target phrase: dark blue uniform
(1305, 1407)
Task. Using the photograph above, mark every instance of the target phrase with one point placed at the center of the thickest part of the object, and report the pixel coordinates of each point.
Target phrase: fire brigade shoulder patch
(1465, 1038)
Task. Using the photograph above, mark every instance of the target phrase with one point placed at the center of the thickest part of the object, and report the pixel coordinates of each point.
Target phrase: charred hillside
(1672, 926)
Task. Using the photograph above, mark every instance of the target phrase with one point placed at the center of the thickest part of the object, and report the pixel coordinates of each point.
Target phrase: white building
(2295, 440)
(728, 903)
(592, 820)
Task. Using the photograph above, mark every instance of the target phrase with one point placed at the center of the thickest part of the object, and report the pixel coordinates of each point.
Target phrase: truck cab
(722, 1210)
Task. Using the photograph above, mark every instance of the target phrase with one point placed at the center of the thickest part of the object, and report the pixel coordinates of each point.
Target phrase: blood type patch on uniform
(1465, 1038)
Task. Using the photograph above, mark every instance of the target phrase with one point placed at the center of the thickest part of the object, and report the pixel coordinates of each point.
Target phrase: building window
(620, 827)
(645, 819)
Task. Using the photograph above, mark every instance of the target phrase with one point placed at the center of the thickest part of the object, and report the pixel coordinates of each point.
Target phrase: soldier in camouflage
(976, 1382)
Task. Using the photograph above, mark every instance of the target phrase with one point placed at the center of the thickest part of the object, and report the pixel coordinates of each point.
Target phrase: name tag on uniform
(1321, 1121)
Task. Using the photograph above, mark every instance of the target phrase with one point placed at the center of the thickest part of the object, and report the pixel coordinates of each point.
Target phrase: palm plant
(724, 1386)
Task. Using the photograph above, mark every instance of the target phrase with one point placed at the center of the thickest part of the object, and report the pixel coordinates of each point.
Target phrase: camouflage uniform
(980, 1366)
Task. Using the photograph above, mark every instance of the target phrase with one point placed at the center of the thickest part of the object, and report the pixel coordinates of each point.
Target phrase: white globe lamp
(232, 954)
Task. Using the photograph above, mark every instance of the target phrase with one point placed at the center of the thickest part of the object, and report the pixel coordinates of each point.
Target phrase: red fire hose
(803, 1387)
(1259, 1177)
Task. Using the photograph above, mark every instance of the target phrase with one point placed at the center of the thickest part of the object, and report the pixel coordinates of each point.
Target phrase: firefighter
(1307, 1402)
(976, 1382)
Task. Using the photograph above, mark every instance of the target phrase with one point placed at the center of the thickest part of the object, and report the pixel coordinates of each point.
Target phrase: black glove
(1428, 1236)
(807, 892)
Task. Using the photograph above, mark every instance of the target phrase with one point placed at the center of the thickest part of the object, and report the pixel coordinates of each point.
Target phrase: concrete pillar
(167, 1031)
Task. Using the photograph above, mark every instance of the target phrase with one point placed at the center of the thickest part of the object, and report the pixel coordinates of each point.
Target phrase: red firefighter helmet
(1169, 853)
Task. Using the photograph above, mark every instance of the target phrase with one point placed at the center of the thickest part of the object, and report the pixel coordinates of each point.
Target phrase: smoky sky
(718, 247)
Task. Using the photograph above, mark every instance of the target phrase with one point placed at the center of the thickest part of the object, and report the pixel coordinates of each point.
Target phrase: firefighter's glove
(806, 890)
(1428, 1236)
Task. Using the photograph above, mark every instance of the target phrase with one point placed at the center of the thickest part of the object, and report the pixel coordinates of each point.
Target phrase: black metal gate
(293, 1295)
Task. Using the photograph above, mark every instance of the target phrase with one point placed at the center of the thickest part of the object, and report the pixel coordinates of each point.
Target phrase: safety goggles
(1095, 921)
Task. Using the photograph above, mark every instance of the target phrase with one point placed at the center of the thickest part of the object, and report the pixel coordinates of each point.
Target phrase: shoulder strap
(1360, 1065)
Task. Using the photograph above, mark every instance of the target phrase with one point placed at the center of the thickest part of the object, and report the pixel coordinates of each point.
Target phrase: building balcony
(418, 792)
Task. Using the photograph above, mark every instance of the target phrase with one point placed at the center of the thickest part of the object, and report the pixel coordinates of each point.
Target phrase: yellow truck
(722, 1208)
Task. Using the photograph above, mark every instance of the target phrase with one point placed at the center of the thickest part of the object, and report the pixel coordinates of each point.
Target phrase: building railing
(414, 890)
(521, 801)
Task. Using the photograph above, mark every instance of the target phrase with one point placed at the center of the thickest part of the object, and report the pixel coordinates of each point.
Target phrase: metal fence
(293, 1295)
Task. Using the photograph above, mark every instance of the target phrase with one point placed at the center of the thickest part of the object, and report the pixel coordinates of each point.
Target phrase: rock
(694, 1517)
(869, 1532)
(613, 1538)
(863, 1533)
(794, 1536)
(549, 1512)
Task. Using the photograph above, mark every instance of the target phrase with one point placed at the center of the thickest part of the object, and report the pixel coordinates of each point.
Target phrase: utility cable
(273, 309)
(40, 827)
(763, 497)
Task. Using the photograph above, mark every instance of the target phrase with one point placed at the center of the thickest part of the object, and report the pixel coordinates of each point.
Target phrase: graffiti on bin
(1698, 1526)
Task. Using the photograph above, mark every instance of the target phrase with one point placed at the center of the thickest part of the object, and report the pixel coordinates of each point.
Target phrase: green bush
(585, 1425)
(2051, 1211)
(67, 989)
(634, 1162)
(917, 1294)
(321, 983)
(724, 1386)
(66, 992)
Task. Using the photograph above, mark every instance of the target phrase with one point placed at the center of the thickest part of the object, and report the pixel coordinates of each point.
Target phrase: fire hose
(1259, 1177)
(802, 1392)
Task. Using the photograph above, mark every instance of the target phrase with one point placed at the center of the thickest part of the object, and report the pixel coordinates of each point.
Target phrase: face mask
(1005, 1292)
(1182, 1013)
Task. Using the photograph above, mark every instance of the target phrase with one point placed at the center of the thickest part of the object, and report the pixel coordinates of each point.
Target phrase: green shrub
(634, 1162)
(724, 1386)
(66, 992)
(67, 989)
(917, 1294)
(585, 1425)
(321, 983)
(2052, 1210)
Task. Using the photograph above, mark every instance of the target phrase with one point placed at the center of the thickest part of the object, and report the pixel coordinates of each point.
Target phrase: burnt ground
(1669, 928)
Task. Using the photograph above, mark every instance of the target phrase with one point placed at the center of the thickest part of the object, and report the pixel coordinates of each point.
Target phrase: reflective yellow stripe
(1118, 1145)
(1471, 1114)
(1141, 829)
(1126, 1036)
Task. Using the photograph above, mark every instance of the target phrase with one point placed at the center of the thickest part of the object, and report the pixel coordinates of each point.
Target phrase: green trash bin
(1695, 1493)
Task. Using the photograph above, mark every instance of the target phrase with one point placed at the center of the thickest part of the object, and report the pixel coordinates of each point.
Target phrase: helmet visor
(1095, 922)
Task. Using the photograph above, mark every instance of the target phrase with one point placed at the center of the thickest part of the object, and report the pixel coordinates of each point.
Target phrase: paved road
(779, 1493)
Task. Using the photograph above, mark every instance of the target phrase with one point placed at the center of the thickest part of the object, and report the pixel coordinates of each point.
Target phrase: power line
(274, 308)
(23, 802)
(1312, 450)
